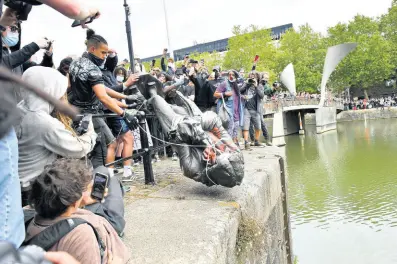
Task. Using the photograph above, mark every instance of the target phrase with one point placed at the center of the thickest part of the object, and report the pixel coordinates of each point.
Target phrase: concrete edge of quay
(366, 114)
(187, 222)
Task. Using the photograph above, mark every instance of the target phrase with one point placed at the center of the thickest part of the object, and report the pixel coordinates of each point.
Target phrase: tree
(388, 28)
(246, 44)
(210, 59)
(370, 63)
(306, 50)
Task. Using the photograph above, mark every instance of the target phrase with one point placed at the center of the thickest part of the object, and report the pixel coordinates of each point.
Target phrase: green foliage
(306, 50)
(210, 59)
(370, 63)
(388, 27)
(246, 44)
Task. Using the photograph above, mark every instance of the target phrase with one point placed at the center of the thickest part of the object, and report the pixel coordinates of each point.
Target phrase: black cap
(193, 61)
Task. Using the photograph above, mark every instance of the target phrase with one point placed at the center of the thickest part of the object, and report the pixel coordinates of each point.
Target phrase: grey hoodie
(41, 138)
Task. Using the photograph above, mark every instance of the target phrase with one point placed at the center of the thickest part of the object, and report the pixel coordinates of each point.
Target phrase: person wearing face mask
(89, 93)
(15, 58)
(252, 93)
(233, 101)
(210, 87)
(268, 91)
(120, 73)
(124, 137)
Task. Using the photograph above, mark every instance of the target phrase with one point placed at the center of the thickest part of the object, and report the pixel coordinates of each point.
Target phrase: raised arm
(73, 9)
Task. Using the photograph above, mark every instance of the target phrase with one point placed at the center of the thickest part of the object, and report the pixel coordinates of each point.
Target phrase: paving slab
(182, 221)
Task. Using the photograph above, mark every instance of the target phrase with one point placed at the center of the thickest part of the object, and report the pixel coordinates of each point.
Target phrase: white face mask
(120, 78)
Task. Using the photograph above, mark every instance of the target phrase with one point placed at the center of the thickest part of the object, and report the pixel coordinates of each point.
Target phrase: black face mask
(97, 61)
(217, 74)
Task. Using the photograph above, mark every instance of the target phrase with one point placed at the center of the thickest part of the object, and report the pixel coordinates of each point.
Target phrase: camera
(276, 85)
(84, 123)
(251, 81)
(25, 255)
(22, 8)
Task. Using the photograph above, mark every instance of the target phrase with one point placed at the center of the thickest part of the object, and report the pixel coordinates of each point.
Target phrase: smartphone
(89, 20)
(99, 187)
(49, 45)
(256, 58)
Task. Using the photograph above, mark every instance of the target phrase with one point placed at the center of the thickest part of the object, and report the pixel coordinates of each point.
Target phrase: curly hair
(118, 69)
(61, 184)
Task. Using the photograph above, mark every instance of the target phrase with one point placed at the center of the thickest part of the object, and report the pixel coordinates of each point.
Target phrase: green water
(343, 194)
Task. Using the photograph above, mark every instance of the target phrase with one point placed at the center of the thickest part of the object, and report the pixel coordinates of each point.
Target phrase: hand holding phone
(99, 186)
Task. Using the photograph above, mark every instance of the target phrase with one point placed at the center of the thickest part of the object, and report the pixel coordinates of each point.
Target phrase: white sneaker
(128, 174)
(175, 157)
(157, 158)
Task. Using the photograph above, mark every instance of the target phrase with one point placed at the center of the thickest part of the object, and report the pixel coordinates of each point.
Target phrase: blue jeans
(12, 226)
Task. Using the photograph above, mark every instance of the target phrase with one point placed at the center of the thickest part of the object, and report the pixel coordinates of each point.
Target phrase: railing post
(147, 155)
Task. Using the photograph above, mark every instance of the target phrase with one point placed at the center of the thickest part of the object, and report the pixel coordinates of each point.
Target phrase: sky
(189, 21)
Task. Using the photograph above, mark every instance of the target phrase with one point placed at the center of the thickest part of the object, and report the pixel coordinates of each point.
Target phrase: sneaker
(252, 143)
(157, 158)
(247, 146)
(174, 157)
(268, 143)
(258, 144)
(128, 175)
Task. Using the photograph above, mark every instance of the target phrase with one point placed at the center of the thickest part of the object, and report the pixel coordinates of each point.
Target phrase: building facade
(218, 45)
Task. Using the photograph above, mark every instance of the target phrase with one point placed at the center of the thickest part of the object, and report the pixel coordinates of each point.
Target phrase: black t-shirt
(251, 102)
(83, 75)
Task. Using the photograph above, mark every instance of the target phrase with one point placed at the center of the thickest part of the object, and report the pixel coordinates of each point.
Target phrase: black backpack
(47, 238)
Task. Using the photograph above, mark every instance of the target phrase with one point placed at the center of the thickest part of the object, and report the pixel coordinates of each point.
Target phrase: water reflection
(343, 195)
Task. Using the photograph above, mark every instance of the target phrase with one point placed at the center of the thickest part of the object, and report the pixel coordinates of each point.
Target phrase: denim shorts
(117, 125)
(12, 226)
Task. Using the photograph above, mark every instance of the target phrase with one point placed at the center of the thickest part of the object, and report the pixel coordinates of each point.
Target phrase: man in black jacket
(211, 86)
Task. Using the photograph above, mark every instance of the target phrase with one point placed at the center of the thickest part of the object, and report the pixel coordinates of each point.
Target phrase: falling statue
(206, 151)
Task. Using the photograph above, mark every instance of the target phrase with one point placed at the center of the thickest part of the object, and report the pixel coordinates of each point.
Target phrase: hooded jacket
(41, 138)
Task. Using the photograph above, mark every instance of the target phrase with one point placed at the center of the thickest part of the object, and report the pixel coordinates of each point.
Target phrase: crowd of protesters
(47, 162)
(216, 89)
(372, 103)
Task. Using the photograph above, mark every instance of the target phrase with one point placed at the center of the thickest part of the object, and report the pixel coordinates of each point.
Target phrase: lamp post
(168, 33)
(129, 38)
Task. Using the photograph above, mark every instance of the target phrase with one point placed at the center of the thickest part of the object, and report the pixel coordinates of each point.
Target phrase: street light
(129, 38)
(168, 33)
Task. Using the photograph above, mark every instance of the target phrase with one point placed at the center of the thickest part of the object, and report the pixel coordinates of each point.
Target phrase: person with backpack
(57, 194)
